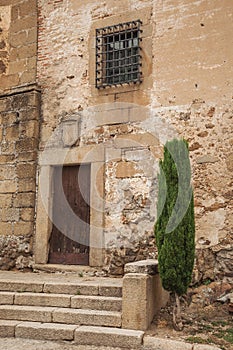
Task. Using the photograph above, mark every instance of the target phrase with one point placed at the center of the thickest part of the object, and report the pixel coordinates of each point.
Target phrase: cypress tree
(175, 226)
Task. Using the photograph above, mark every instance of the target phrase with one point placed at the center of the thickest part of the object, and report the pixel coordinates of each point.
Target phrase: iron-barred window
(118, 58)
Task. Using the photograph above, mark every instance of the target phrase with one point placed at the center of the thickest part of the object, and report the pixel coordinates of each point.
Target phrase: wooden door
(70, 236)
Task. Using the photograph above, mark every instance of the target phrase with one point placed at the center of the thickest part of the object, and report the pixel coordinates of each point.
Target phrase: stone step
(36, 330)
(62, 300)
(104, 336)
(82, 335)
(101, 287)
(45, 331)
(26, 313)
(60, 315)
(96, 303)
(87, 317)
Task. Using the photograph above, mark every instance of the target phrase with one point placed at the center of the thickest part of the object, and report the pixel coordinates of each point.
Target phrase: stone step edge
(8, 329)
(66, 300)
(61, 315)
(83, 335)
(77, 288)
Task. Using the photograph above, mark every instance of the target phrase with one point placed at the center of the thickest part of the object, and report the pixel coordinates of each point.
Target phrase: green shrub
(175, 226)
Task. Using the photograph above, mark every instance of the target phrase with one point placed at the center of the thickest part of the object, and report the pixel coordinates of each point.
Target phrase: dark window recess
(118, 58)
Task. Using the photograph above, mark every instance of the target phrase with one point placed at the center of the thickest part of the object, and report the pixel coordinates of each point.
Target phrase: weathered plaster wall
(19, 131)
(187, 91)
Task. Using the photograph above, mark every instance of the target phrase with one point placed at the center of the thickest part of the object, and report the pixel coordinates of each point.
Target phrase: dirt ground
(205, 320)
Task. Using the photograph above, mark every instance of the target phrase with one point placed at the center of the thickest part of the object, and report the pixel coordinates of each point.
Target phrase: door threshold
(64, 268)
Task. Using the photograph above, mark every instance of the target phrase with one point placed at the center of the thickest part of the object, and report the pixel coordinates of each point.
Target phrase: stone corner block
(149, 266)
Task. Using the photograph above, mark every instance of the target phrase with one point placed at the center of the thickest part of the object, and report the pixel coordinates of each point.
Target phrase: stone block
(9, 81)
(24, 23)
(96, 303)
(24, 200)
(5, 200)
(19, 286)
(28, 76)
(87, 317)
(29, 114)
(112, 116)
(112, 154)
(26, 313)
(32, 38)
(12, 133)
(143, 296)
(134, 302)
(8, 186)
(25, 170)
(6, 298)
(22, 228)
(27, 7)
(16, 40)
(42, 299)
(110, 291)
(27, 214)
(7, 328)
(207, 159)
(9, 118)
(7, 172)
(153, 343)
(31, 61)
(205, 347)
(104, 336)
(136, 140)
(3, 103)
(71, 288)
(26, 185)
(6, 159)
(26, 145)
(29, 129)
(10, 214)
(149, 266)
(127, 169)
(45, 331)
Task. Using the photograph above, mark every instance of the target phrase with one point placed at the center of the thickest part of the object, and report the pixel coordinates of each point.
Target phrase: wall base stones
(15, 252)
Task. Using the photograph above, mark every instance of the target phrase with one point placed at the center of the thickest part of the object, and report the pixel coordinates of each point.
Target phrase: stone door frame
(93, 155)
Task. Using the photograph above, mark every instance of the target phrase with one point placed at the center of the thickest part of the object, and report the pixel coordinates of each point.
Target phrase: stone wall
(19, 131)
(186, 92)
(18, 42)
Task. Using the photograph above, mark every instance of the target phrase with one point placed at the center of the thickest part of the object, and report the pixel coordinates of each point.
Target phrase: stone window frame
(109, 93)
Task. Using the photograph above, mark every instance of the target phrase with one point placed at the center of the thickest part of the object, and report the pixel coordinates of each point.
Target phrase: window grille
(118, 58)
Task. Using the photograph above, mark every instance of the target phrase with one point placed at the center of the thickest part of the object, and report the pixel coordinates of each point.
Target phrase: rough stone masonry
(186, 91)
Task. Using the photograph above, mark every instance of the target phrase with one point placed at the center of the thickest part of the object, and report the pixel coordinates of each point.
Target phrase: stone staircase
(85, 311)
